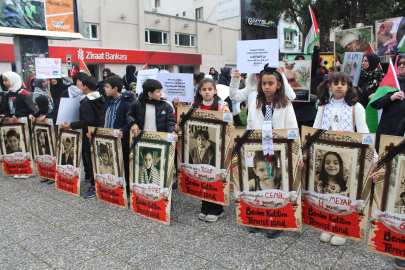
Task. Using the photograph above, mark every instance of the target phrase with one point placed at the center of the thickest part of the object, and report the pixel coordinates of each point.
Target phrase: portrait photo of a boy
(264, 176)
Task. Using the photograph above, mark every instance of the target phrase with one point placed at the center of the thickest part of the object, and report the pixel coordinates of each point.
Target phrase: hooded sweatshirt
(91, 115)
(17, 101)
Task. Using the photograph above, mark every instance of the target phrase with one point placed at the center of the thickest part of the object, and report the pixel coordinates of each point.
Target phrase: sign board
(69, 61)
(143, 75)
(177, 85)
(48, 68)
(227, 9)
(254, 54)
(68, 110)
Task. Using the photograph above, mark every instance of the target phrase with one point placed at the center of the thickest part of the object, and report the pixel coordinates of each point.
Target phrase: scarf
(267, 137)
(346, 123)
(75, 92)
(373, 61)
(15, 81)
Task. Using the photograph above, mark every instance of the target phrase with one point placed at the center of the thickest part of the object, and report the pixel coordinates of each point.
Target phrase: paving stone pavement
(44, 228)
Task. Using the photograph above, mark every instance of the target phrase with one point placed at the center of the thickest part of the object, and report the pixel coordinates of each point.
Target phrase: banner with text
(254, 54)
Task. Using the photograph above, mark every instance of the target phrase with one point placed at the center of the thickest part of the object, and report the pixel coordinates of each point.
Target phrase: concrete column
(141, 25)
(172, 34)
(103, 24)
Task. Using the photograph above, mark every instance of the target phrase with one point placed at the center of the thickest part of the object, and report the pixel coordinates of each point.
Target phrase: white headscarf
(15, 81)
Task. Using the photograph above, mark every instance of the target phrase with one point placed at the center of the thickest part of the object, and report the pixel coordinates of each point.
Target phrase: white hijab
(15, 81)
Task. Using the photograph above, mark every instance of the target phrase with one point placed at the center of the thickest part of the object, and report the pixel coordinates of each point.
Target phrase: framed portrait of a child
(336, 183)
(108, 166)
(203, 154)
(267, 190)
(387, 229)
(43, 137)
(151, 174)
(68, 150)
(16, 148)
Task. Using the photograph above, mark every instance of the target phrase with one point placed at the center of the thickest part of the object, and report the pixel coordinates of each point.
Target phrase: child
(91, 115)
(204, 152)
(206, 98)
(271, 105)
(336, 114)
(331, 71)
(13, 142)
(149, 113)
(149, 174)
(105, 167)
(262, 180)
(132, 87)
(116, 108)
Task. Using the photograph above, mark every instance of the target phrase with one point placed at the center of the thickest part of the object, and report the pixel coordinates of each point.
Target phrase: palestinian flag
(370, 50)
(83, 67)
(401, 45)
(388, 85)
(401, 36)
(312, 32)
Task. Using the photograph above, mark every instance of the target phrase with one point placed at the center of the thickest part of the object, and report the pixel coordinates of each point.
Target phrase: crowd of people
(112, 103)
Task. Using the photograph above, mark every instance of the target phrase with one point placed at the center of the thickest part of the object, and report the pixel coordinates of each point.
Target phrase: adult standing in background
(101, 86)
(214, 74)
(370, 78)
(129, 76)
(41, 89)
(28, 81)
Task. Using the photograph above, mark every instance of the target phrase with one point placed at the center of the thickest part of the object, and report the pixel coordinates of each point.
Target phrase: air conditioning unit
(154, 9)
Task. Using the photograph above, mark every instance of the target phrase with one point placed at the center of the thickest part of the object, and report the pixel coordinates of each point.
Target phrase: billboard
(38, 17)
(227, 9)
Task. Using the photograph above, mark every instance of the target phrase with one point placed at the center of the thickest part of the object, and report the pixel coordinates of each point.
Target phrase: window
(299, 40)
(185, 40)
(199, 13)
(90, 31)
(156, 37)
(184, 14)
(157, 3)
(288, 36)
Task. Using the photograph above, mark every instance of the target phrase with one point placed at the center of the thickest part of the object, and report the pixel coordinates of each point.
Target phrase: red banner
(113, 196)
(46, 172)
(17, 169)
(150, 209)
(213, 192)
(386, 241)
(70, 185)
(343, 225)
(282, 218)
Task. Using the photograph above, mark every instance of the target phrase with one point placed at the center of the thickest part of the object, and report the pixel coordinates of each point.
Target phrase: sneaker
(90, 193)
(254, 230)
(201, 216)
(24, 176)
(337, 241)
(16, 176)
(399, 264)
(50, 182)
(213, 218)
(325, 237)
(273, 233)
(44, 180)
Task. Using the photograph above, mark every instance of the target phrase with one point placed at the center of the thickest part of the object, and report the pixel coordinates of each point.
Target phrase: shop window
(157, 3)
(185, 40)
(199, 13)
(90, 31)
(186, 69)
(161, 67)
(156, 37)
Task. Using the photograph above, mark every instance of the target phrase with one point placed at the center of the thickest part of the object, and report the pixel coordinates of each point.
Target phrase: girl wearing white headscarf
(18, 101)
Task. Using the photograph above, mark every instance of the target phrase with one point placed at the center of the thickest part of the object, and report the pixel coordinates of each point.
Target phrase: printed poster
(390, 36)
(267, 197)
(298, 74)
(108, 166)
(254, 54)
(43, 138)
(151, 163)
(60, 15)
(177, 85)
(387, 226)
(336, 183)
(353, 40)
(352, 65)
(69, 158)
(203, 154)
(16, 156)
(143, 75)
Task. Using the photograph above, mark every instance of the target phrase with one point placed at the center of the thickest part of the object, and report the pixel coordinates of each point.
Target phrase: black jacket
(121, 115)
(306, 111)
(91, 115)
(22, 102)
(224, 79)
(165, 121)
(393, 113)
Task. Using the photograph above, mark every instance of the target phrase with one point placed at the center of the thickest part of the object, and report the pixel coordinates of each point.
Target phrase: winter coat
(368, 83)
(91, 115)
(165, 121)
(224, 79)
(121, 115)
(282, 118)
(21, 103)
(57, 89)
(393, 113)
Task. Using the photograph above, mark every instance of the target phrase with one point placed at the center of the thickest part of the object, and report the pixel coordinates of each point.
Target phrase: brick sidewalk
(43, 228)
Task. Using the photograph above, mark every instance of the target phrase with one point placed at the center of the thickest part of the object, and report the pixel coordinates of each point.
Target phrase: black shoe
(273, 233)
(44, 180)
(254, 230)
(399, 264)
(50, 182)
(174, 185)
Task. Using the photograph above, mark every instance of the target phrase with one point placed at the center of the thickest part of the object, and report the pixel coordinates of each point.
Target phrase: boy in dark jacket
(91, 115)
(149, 113)
(116, 108)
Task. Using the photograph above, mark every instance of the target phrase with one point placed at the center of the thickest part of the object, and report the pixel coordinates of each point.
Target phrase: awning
(291, 30)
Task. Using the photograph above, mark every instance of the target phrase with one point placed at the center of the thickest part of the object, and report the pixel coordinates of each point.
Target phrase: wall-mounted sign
(227, 9)
(258, 22)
